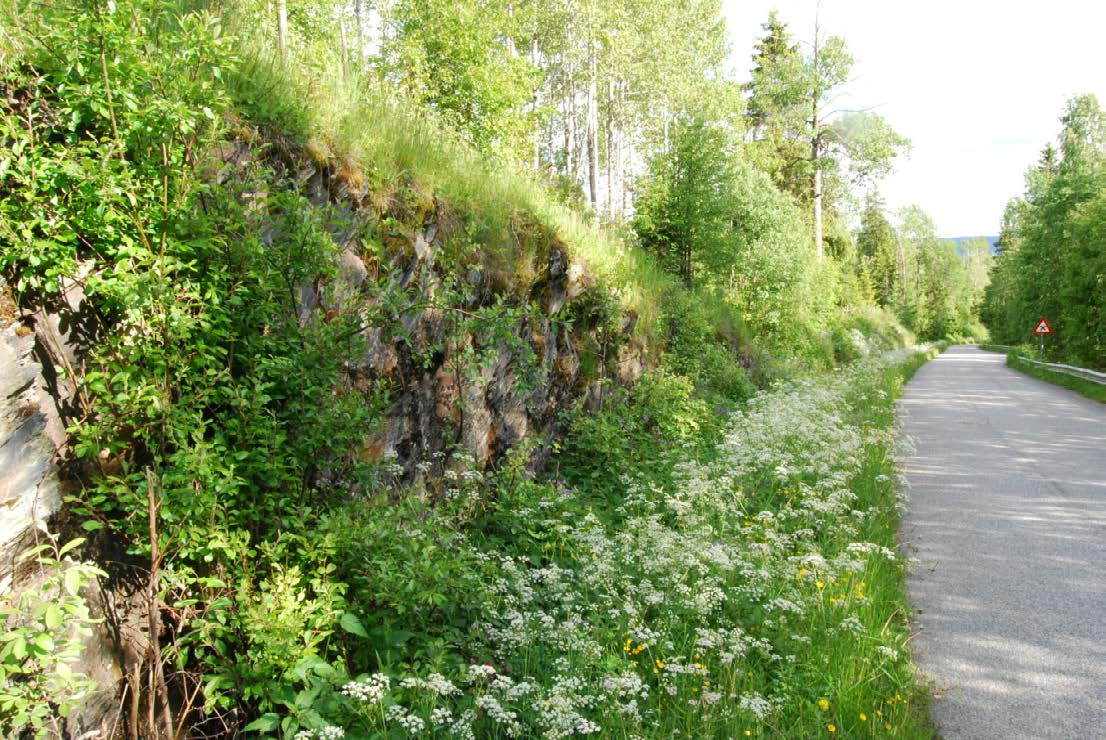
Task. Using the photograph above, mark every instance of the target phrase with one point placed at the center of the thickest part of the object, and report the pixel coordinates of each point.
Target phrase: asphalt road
(1006, 518)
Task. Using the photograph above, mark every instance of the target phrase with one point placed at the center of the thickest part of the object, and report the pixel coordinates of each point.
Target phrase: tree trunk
(623, 149)
(818, 210)
(570, 125)
(609, 145)
(359, 36)
(815, 149)
(510, 38)
(158, 687)
(593, 130)
(282, 29)
(345, 47)
(536, 103)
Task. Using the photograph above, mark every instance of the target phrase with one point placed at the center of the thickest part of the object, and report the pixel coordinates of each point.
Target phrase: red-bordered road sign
(1043, 327)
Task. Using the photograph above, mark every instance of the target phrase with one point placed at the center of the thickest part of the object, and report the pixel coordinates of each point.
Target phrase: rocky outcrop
(441, 401)
(39, 351)
(30, 489)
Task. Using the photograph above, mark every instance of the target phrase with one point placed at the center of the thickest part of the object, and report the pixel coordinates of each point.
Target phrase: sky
(978, 87)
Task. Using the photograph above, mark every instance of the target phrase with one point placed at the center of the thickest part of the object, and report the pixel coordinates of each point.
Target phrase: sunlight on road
(1006, 522)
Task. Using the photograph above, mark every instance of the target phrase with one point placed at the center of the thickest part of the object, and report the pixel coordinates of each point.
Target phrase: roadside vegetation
(1088, 388)
(708, 550)
(1016, 358)
(1051, 263)
(754, 592)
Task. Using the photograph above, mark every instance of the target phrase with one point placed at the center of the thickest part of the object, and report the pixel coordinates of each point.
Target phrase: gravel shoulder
(1006, 522)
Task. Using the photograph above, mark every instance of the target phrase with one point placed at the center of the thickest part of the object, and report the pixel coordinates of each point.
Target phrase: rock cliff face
(30, 488)
(441, 401)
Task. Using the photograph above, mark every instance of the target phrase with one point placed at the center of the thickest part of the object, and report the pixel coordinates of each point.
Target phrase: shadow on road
(1007, 522)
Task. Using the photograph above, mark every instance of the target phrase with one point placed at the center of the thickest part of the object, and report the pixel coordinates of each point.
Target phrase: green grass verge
(1088, 388)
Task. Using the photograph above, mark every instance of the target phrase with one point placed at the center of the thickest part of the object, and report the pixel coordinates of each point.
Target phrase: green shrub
(43, 636)
(631, 432)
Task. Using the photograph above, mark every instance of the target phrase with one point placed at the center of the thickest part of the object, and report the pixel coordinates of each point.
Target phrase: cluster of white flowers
(756, 705)
(888, 652)
(853, 624)
(370, 690)
(507, 719)
(648, 612)
(629, 685)
(435, 683)
(478, 673)
(412, 724)
(440, 716)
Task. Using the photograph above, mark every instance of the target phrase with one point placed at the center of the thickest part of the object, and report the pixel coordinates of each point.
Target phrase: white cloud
(979, 87)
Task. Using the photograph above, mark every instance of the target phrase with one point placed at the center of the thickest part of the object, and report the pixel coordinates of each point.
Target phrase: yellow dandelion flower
(823, 704)
(887, 727)
(863, 717)
(831, 728)
(820, 585)
(748, 733)
(879, 712)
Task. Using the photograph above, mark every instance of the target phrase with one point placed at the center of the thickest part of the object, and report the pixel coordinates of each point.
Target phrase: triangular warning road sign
(1043, 327)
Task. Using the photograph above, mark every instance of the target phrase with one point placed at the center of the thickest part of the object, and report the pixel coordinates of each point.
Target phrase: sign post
(1043, 328)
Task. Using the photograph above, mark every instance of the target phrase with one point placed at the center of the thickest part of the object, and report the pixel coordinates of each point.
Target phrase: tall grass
(363, 125)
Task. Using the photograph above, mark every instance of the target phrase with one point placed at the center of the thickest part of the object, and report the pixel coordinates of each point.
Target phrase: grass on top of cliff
(391, 150)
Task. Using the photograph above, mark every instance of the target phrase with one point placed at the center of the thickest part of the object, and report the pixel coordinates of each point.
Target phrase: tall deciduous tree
(682, 212)
(802, 137)
(451, 56)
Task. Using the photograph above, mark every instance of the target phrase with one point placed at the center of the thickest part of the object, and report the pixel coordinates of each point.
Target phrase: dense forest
(480, 368)
(1051, 261)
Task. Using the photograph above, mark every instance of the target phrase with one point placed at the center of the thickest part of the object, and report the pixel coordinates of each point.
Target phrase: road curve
(1006, 518)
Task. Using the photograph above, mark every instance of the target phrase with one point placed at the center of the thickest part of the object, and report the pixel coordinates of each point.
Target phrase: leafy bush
(631, 432)
(42, 638)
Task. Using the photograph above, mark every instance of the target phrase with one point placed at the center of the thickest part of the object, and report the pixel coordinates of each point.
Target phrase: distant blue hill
(992, 240)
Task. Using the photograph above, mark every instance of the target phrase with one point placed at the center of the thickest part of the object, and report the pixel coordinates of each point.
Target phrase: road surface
(1007, 521)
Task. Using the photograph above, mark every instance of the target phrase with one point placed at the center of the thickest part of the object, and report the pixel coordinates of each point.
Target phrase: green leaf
(73, 579)
(44, 642)
(265, 723)
(70, 545)
(53, 616)
(325, 670)
(350, 623)
(92, 525)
